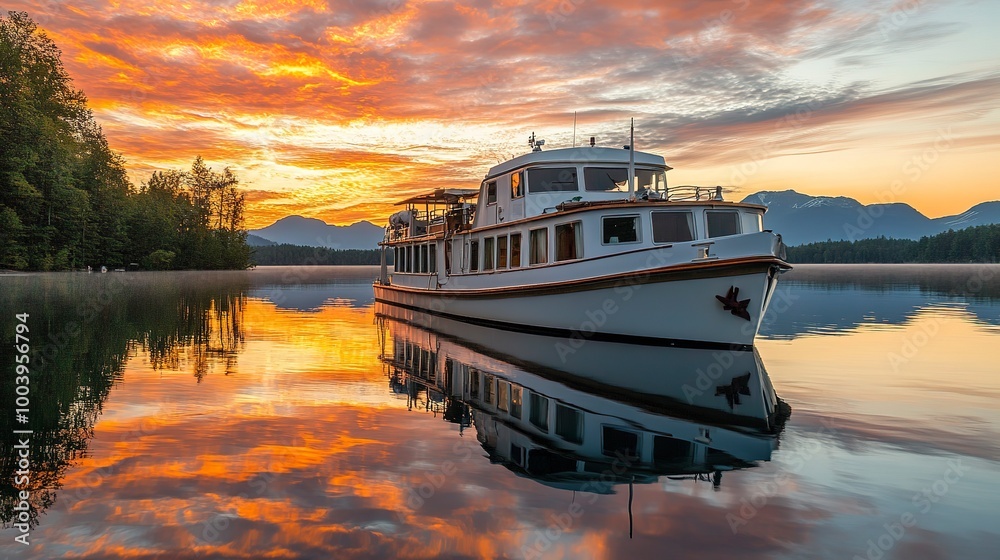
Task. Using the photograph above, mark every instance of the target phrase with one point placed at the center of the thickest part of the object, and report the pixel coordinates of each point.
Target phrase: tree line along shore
(980, 244)
(65, 199)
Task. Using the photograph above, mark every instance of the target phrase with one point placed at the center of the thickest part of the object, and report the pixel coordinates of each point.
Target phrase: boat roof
(441, 196)
(584, 154)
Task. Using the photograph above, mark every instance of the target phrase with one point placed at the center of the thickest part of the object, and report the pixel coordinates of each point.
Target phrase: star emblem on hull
(737, 386)
(732, 303)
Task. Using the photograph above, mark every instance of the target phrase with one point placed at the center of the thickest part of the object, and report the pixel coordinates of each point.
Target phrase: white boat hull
(669, 306)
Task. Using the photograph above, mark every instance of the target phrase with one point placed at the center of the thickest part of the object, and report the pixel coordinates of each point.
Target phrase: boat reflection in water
(589, 416)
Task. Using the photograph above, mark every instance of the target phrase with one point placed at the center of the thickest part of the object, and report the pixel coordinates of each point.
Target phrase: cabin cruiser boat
(586, 243)
(537, 419)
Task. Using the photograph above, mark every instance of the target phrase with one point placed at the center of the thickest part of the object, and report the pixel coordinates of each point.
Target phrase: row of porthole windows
(416, 258)
(504, 251)
(567, 423)
(508, 397)
(565, 179)
(669, 226)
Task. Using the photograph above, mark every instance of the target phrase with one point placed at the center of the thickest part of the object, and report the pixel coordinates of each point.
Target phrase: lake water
(272, 414)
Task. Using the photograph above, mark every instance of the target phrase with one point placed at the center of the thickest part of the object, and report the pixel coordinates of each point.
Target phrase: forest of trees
(65, 199)
(286, 254)
(979, 244)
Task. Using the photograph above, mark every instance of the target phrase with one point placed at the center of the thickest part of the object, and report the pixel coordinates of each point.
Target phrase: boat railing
(694, 192)
(435, 221)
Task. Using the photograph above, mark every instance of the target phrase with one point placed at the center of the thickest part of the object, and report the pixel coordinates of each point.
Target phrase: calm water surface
(276, 414)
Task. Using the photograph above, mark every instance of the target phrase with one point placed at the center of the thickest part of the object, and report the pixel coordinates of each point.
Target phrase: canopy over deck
(441, 196)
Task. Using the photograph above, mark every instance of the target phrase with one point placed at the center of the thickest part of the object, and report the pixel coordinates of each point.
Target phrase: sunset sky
(336, 109)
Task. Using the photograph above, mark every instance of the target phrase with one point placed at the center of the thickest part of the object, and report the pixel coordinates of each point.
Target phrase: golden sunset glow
(336, 109)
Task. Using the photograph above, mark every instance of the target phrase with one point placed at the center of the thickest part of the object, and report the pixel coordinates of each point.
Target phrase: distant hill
(982, 214)
(310, 232)
(801, 218)
(258, 241)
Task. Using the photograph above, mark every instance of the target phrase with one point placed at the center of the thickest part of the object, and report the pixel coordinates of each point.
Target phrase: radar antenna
(536, 145)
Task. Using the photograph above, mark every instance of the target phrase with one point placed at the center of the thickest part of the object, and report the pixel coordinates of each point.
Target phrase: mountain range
(297, 230)
(799, 218)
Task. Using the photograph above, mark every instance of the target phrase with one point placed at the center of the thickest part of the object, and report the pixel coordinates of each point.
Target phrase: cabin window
(396, 261)
(450, 370)
(615, 179)
(569, 423)
(517, 454)
(650, 179)
(671, 227)
(722, 222)
(409, 258)
(491, 192)
(489, 388)
(620, 229)
(552, 179)
(668, 450)
(515, 401)
(539, 250)
(501, 252)
(474, 256)
(503, 395)
(474, 383)
(569, 241)
(515, 250)
(432, 259)
(615, 442)
(423, 258)
(517, 184)
(539, 416)
(488, 253)
(447, 257)
(605, 179)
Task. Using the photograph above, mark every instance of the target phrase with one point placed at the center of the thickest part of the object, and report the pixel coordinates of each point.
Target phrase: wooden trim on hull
(569, 333)
(670, 273)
